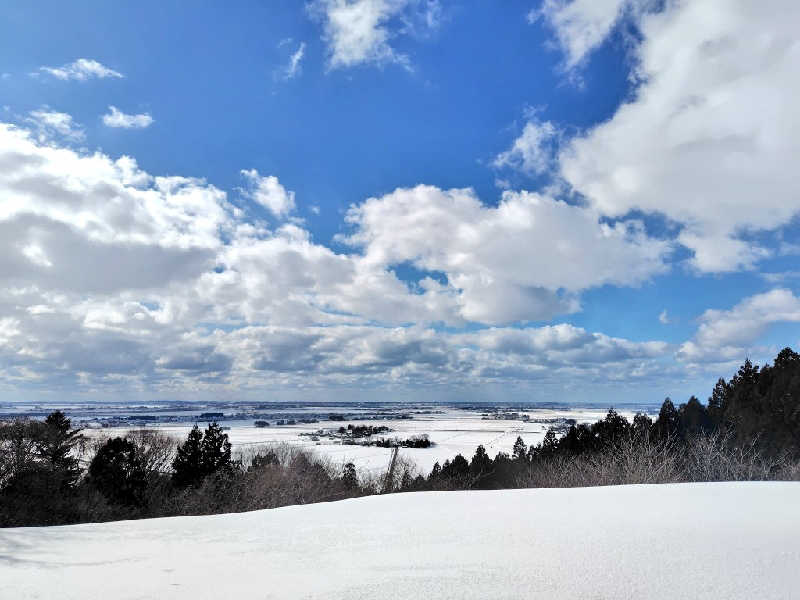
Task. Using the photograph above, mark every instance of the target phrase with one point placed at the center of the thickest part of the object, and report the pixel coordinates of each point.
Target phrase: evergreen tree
(612, 429)
(118, 472)
(481, 463)
(520, 451)
(642, 424)
(694, 418)
(349, 476)
(549, 444)
(55, 442)
(436, 471)
(216, 449)
(668, 422)
(188, 463)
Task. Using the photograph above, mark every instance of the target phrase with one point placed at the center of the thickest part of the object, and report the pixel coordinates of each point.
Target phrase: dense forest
(749, 429)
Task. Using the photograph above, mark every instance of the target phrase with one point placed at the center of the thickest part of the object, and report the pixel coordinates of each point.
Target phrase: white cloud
(580, 26)
(295, 67)
(478, 249)
(709, 141)
(117, 118)
(360, 31)
(269, 193)
(114, 279)
(728, 335)
(81, 70)
(52, 124)
(533, 151)
(663, 317)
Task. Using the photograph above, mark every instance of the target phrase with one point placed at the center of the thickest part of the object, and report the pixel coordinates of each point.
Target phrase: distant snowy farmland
(453, 432)
(684, 541)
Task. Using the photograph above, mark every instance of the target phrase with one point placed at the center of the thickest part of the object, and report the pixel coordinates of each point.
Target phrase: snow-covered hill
(721, 540)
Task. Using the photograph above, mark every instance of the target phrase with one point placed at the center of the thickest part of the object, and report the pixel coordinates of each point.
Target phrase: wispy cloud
(81, 70)
(294, 67)
(117, 118)
(51, 124)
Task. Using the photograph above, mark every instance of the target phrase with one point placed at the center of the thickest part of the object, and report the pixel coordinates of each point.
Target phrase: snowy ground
(453, 432)
(686, 541)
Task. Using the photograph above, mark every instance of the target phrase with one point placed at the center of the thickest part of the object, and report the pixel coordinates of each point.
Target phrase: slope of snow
(716, 540)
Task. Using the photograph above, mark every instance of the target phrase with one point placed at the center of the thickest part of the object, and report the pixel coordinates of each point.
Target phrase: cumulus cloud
(360, 31)
(117, 118)
(580, 26)
(112, 278)
(728, 335)
(51, 124)
(663, 317)
(709, 140)
(81, 70)
(268, 192)
(478, 249)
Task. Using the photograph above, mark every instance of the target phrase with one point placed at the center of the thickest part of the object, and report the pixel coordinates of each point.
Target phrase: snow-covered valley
(709, 540)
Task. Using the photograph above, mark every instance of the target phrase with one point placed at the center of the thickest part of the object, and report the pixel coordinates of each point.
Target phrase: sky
(558, 200)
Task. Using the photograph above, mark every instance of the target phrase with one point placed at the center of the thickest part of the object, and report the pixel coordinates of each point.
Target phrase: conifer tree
(216, 449)
(118, 472)
(188, 463)
(481, 463)
(349, 476)
(55, 442)
(520, 450)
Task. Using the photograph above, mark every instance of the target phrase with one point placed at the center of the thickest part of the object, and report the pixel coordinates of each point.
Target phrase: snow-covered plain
(453, 431)
(683, 541)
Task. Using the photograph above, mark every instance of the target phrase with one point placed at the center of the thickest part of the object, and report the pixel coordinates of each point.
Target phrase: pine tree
(118, 472)
(349, 476)
(481, 463)
(216, 449)
(520, 450)
(55, 442)
(201, 455)
(188, 463)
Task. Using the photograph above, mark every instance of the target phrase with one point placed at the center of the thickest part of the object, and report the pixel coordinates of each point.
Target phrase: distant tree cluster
(415, 441)
(146, 474)
(359, 431)
(750, 428)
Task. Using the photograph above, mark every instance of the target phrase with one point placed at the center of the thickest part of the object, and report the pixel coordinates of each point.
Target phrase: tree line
(748, 430)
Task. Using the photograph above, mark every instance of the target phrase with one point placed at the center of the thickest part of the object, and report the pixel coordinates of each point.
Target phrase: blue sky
(389, 199)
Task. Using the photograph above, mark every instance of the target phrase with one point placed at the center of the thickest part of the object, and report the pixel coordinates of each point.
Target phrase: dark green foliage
(611, 430)
(118, 472)
(481, 463)
(694, 418)
(456, 469)
(641, 426)
(201, 455)
(55, 442)
(669, 420)
(216, 449)
(762, 404)
(349, 476)
(520, 451)
(39, 471)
